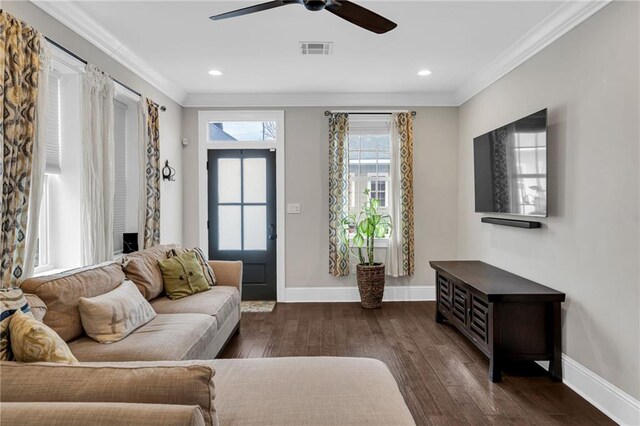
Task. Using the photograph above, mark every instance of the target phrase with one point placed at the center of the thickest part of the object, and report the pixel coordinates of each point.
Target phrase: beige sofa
(164, 372)
(304, 391)
(194, 327)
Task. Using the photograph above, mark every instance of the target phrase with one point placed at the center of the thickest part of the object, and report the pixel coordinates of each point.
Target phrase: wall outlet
(293, 208)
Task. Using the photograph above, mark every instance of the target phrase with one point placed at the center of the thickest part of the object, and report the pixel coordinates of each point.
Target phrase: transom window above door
(242, 131)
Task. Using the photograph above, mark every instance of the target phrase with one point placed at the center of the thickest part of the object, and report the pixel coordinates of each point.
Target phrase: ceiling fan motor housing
(315, 5)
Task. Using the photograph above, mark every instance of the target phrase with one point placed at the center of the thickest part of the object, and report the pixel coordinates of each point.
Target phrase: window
(43, 260)
(59, 240)
(369, 160)
(242, 131)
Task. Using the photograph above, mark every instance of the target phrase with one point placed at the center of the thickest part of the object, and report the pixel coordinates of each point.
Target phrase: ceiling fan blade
(253, 9)
(360, 16)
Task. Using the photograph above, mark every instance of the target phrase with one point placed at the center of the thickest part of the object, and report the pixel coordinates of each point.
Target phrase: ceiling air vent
(316, 47)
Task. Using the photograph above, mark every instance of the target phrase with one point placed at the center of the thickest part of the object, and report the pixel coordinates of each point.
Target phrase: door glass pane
(229, 180)
(229, 228)
(255, 227)
(255, 180)
(244, 131)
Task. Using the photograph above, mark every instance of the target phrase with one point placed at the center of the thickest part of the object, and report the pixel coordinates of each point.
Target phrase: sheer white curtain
(98, 152)
(394, 248)
(38, 162)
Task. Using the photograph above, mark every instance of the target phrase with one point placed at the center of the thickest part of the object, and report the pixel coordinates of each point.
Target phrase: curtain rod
(327, 113)
(84, 61)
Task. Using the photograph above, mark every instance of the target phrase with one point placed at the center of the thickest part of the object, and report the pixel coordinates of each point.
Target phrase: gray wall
(170, 120)
(588, 246)
(307, 165)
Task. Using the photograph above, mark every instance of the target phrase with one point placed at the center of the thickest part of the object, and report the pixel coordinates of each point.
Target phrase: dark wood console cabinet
(506, 316)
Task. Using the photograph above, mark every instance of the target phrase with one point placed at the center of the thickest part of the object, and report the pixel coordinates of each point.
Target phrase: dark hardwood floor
(442, 377)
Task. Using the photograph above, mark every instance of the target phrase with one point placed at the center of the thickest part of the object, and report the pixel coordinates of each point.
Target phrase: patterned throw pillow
(206, 268)
(32, 341)
(114, 315)
(11, 301)
(182, 276)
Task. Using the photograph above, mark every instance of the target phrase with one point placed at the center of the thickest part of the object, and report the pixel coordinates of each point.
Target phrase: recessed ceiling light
(424, 73)
(215, 73)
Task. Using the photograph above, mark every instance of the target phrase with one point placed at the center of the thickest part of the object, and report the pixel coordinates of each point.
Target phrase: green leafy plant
(365, 227)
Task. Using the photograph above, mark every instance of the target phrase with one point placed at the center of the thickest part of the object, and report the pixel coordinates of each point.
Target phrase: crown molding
(567, 16)
(79, 21)
(318, 99)
(570, 14)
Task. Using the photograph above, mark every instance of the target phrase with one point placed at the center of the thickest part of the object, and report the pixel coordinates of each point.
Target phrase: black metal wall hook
(168, 172)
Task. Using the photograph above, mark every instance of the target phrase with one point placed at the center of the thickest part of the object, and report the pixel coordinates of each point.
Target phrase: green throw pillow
(182, 276)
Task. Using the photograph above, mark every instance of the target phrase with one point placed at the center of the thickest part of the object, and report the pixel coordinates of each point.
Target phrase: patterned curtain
(338, 191)
(20, 48)
(149, 234)
(400, 251)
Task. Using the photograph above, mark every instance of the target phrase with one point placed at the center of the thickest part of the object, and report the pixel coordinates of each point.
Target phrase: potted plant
(359, 233)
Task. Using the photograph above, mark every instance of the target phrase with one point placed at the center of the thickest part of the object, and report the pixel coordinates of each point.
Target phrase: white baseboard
(612, 401)
(350, 294)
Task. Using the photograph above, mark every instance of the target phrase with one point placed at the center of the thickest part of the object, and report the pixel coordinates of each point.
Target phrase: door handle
(272, 232)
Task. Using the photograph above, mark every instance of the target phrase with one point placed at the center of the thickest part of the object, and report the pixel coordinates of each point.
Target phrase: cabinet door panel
(479, 318)
(444, 293)
(459, 307)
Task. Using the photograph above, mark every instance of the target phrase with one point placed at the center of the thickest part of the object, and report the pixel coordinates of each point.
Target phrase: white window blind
(120, 201)
(52, 130)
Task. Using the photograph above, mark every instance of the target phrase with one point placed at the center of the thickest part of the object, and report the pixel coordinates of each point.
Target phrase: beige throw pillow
(32, 341)
(114, 315)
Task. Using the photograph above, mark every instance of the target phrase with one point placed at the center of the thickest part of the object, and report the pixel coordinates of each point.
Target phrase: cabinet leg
(555, 365)
(439, 316)
(555, 369)
(495, 373)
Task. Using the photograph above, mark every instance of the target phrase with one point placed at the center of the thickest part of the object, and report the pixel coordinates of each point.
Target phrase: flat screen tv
(510, 167)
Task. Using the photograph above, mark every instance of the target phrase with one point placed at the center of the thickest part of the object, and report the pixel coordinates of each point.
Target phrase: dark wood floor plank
(442, 377)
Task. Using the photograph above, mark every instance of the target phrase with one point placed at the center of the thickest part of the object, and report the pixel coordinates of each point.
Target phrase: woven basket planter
(371, 285)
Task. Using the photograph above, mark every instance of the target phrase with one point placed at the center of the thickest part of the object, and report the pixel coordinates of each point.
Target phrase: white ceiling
(174, 44)
(259, 53)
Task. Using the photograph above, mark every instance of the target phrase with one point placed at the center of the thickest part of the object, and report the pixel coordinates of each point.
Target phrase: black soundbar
(526, 224)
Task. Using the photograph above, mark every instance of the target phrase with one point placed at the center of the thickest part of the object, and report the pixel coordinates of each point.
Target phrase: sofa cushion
(62, 292)
(33, 341)
(219, 301)
(166, 337)
(142, 268)
(99, 414)
(12, 300)
(308, 391)
(182, 276)
(113, 316)
(158, 382)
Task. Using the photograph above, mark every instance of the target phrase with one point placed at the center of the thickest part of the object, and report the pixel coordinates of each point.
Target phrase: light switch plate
(293, 208)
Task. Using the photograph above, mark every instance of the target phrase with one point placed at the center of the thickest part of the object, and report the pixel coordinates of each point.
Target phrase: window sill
(48, 270)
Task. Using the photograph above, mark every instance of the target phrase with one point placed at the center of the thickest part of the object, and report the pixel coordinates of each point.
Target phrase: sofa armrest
(99, 414)
(156, 382)
(228, 273)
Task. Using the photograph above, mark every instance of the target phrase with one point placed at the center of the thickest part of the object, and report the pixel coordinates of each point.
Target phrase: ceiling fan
(347, 10)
